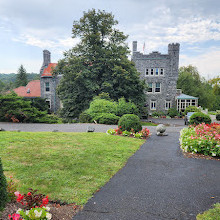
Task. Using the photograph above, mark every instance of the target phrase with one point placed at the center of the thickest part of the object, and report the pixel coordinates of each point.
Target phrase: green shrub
(130, 121)
(3, 188)
(85, 117)
(191, 109)
(218, 117)
(199, 117)
(172, 112)
(106, 118)
(124, 107)
(158, 114)
(102, 106)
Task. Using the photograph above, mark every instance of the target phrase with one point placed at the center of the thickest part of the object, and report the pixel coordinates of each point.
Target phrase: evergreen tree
(21, 78)
(97, 64)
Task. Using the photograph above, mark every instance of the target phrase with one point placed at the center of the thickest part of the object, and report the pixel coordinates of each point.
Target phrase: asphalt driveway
(157, 183)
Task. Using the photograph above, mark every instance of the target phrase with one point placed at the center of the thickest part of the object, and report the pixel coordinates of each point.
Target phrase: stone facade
(160, 72)
(48, 83)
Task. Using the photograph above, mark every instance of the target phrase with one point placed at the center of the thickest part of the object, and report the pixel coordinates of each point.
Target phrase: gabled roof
(48, 70)
(184, 96)
(32, 89)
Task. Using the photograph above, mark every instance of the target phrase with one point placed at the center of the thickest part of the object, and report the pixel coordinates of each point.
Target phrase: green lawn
(69, 167)
(143, 123)
(211, 214)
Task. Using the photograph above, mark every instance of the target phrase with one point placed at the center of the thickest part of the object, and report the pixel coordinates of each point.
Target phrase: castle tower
(46, 60)
(173, 51)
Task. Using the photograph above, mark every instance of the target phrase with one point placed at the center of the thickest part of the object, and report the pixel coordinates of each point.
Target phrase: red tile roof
(32, 89)
(48, 71)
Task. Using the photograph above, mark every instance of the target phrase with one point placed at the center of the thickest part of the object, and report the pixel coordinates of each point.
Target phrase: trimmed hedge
(199, 117)
(191, 109)
(218, 117)
(130, 121)
(172, 112)
(107, 118)
(3, 188)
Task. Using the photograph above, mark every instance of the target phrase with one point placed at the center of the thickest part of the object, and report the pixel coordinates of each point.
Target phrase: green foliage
(3, 188)
(124, 107)
(85, 117)
(16, 109)
(193, 84)
(97, 65)
(199, 117)
(217, 117)
(191, 109)
(40, 104)
(172, 112)
(211, 214)
(130, 121)
(106, 118)
(21, 79)
(11, 189)
(158, 114)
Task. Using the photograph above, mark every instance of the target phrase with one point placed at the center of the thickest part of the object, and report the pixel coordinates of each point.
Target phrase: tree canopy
(97, 64)
(193, 84)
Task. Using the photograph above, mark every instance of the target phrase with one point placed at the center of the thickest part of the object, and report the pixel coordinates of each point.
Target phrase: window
(157, 87)
(48, 103)
(150, 87)
(47, 86)
(161, 71)
(156, 71)
(167, 105)
(147, 72)
(193, 102)
(152, 72)
(153, 105)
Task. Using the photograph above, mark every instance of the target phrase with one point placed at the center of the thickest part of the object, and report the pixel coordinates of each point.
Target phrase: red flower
(29, 193)
(45, 201)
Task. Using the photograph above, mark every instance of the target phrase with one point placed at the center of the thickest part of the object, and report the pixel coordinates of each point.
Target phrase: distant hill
(11, 77)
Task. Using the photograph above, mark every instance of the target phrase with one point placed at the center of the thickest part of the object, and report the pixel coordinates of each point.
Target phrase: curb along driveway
(157, 183)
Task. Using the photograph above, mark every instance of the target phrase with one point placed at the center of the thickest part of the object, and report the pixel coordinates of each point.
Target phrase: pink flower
(17, 193)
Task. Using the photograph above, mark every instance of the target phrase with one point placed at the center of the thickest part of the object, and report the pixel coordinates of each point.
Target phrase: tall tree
(21, 78)
(97, 64)
(193, 84)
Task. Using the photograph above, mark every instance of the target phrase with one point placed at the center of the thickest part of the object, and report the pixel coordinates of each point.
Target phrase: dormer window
(28, 90)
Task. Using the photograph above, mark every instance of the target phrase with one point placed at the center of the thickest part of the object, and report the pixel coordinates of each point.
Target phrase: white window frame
(154, 103)
(151, 71)
(157, 71)
(48, 100)
(157, 87)
(167, 105)
(162, 71)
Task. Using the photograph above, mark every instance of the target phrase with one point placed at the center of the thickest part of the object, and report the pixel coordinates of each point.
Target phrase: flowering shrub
(35, 207)
(203, 139)
(144, 133)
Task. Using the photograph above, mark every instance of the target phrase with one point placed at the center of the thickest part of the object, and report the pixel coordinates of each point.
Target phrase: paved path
(157, 183)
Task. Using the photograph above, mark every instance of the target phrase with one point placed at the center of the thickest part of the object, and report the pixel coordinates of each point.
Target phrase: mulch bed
(199, 156)
(58, 211)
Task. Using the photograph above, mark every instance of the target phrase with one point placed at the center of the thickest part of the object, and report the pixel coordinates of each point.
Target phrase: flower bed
(202, 139)
(143, 134)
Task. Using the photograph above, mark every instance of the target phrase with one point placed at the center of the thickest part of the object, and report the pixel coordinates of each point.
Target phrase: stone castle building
(160, 72)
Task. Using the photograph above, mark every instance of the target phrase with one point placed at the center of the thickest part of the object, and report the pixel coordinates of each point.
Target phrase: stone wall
(169, 63)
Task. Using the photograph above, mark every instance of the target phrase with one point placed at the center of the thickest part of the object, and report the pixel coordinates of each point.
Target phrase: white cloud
(207, 63)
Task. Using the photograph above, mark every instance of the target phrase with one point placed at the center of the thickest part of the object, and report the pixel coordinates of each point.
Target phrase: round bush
(85, 117)
(107, 118)
(3, 188)
(199, 117)
(218, 117)
(130, 121)
(191, 109)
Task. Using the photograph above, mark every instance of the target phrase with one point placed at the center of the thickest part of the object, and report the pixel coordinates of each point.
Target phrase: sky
(27, 27)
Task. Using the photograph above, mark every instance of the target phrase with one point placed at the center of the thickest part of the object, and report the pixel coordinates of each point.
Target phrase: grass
(69, 167)
(211, 214)
(143, 123)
